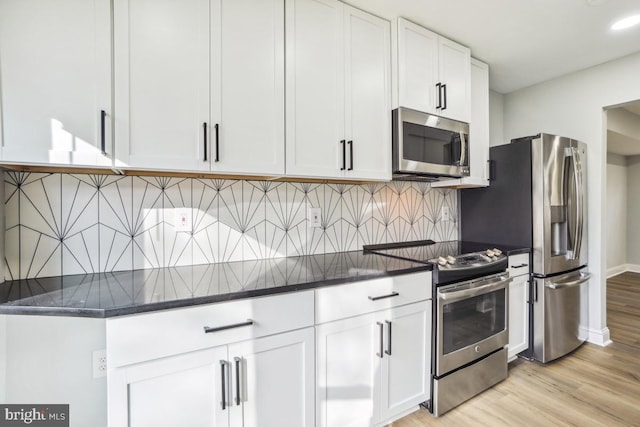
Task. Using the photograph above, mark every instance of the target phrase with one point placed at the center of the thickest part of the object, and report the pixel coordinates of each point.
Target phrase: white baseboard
(622, 268)
(599, 337)
(634, 268)
(614, 271)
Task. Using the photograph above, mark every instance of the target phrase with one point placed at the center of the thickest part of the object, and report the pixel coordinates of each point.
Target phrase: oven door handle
(455, 295)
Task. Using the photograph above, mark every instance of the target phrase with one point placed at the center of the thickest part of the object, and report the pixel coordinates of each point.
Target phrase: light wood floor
(594, 386)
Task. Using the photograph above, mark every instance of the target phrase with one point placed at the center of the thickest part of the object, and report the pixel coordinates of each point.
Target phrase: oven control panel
(468, 260)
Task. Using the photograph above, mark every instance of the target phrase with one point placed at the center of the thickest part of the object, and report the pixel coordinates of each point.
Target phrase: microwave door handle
(463, 149)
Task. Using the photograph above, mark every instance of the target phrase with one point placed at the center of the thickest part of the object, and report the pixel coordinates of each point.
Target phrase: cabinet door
(184, 390)
(518, 316)
(247, 92)
(407, 363)
(161, 53)
(455, 73)
(56, 80)
(315, 88)
(417, 67)
(479, 125)
(276, 380)
(367, 93)
(347, 365)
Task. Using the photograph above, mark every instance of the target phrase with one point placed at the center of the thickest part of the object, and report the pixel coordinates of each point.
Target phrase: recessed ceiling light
(627, 22)
(596, 2)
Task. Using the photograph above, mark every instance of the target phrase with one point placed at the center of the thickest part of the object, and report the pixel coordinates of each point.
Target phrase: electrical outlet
(99, 358)
(314, 217)
(182, 219)
(445, 215)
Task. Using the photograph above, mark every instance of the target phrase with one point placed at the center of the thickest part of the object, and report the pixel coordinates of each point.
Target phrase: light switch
(314, 217)
(444, 214)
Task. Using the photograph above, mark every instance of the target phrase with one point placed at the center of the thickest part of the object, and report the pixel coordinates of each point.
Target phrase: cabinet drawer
(518, 264)
(343, 301)
(149, 336)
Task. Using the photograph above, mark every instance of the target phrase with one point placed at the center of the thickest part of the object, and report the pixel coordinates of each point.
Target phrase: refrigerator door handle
(571, 283)
(577, 171)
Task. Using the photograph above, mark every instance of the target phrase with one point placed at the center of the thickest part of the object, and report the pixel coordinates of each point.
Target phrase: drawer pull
(391, 295)
(207, 329)
(520, 266)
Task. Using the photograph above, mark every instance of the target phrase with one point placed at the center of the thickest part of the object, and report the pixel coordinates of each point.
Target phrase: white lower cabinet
(260, 361)
(518, 305)
(374, 367)
(248, 362)
(277, 385)
(263, 382)
(407, 367)
(180, 390)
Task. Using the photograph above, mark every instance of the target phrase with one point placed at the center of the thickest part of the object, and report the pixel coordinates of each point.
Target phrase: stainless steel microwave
(424, 144)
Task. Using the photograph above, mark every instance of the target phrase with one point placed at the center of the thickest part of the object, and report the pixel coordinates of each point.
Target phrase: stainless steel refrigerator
(537, 200)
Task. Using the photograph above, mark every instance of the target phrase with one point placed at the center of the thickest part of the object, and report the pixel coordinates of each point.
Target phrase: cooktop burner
(453, 260)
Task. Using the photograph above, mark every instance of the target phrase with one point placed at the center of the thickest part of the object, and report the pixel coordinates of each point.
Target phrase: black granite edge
(189, 302)
(52, 311)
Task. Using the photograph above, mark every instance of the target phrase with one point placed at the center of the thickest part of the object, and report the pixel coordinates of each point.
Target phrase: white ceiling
(524, 41)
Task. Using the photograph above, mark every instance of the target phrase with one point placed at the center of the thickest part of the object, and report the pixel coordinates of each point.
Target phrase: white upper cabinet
(338, 91)
(161, 83)
(433, 73)
(199, 85)
(315, 80)
(247, 94)
(56, 81)
(478, 131)
(367, 95)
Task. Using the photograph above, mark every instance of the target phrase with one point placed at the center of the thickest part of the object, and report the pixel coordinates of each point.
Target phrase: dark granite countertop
(128, 292)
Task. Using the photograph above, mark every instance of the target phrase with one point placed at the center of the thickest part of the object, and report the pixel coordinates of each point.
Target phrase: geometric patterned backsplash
(88, 223)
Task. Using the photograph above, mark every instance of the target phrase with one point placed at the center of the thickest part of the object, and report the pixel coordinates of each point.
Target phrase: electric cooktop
(453, 260)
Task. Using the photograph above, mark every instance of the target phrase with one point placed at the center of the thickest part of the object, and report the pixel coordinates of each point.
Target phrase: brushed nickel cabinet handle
(381, 330)
(388, 350)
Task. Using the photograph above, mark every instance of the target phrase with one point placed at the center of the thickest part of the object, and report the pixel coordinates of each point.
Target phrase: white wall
(616, 214)
(496, 119)
(573, 106)
(633, 212)
(49, 361)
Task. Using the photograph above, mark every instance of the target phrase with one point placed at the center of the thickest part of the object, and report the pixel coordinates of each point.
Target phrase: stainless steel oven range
(470, 316)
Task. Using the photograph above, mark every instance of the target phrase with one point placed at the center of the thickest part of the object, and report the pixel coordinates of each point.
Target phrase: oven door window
(470, 321)
(431, 145)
